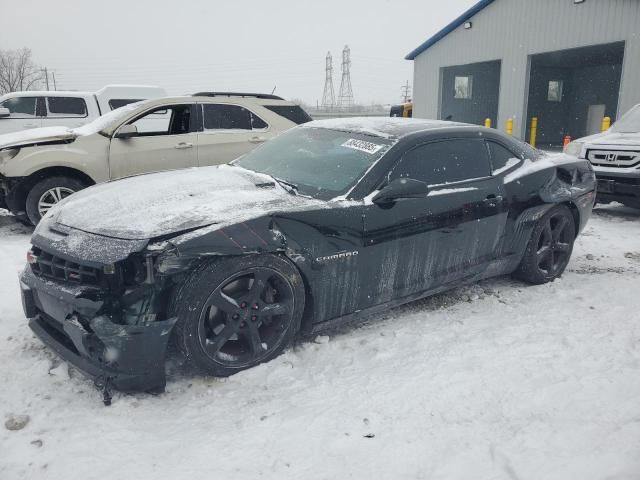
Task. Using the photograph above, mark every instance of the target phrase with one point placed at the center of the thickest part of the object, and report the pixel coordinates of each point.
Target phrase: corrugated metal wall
(512, 30)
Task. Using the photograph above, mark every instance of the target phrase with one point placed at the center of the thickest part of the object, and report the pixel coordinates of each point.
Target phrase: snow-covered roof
(385, 127)
(43, 93)
(107, 89)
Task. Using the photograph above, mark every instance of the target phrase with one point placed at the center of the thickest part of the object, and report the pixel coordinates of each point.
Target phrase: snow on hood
(612, 138)
(36, 135)
(53, 134)
(157, 204)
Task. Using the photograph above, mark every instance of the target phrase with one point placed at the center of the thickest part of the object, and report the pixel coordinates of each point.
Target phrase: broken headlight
(170, 262)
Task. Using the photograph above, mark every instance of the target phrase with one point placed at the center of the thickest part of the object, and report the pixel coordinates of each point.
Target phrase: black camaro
(329, 220)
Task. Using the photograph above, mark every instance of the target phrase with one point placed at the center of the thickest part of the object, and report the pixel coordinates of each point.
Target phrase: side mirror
(127, 131)
(4, 112)
(401, 188)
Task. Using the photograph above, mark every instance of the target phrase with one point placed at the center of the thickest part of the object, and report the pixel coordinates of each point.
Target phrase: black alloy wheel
(554, 244)
(245, 317)
(549, 249)
(248, 318)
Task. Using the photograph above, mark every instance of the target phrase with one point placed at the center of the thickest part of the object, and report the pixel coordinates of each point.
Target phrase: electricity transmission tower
(345, 97)
(406, 92)
(328, 96)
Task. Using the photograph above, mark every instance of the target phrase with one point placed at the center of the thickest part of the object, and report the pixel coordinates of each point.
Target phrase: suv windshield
(318, 162)
(629, 122)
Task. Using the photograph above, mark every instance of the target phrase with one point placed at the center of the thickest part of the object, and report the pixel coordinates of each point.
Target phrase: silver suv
(40, 167)
(615, 156)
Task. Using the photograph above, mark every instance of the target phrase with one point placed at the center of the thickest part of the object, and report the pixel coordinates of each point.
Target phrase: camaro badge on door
(337, 256)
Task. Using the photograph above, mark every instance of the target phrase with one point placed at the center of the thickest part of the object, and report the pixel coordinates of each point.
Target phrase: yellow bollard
(487, 122)
(533, 131)
(606, 123)
(510, 126)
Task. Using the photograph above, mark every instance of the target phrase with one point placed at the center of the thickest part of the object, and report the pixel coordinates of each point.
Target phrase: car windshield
(629, 122)
(108, 119)
(317, 162)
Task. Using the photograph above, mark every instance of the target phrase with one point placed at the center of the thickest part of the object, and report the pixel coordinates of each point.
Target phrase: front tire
(549, 248)
(238, 312)
(46, 193)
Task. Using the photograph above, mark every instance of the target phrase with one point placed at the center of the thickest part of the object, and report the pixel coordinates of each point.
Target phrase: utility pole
(46, 77)
(53, 74)
(406, 92)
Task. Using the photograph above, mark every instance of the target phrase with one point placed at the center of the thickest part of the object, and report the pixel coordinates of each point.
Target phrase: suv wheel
(46, 193)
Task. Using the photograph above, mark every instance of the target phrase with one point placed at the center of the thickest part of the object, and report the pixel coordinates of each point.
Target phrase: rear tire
(549, 249)
(46, 193)
(238, 312)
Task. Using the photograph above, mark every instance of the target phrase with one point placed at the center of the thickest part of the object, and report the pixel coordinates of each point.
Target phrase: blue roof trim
(449, 28)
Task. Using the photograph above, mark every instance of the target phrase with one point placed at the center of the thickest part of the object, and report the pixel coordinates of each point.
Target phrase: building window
(463, 87)
(554, 94)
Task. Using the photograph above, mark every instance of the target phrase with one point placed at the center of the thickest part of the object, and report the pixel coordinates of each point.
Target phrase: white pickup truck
(24, 110)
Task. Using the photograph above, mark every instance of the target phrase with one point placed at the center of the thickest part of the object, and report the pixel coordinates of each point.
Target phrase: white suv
(26, 110)
(40, 167)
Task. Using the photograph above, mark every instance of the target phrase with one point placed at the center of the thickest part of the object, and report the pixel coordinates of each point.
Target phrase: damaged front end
(108, 315)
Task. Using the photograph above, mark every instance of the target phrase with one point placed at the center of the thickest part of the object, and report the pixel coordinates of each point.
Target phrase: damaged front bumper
(68, 320)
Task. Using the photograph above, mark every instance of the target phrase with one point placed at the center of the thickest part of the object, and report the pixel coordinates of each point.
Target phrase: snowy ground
(499, 380)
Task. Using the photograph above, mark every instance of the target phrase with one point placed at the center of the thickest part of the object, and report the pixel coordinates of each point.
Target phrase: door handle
(30, 125)
(183, 145)
(257, 139)
(493, 200)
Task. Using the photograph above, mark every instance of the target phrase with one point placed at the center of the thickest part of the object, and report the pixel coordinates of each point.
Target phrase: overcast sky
(252, 45)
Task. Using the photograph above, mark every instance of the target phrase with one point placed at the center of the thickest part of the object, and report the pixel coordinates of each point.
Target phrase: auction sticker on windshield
(362, 145)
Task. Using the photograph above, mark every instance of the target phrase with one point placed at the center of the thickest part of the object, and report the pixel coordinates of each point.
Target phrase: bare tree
(17, 71)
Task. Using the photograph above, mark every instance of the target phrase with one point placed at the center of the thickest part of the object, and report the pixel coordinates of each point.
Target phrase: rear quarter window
(293, 113)
(121, 102)
(66, 107)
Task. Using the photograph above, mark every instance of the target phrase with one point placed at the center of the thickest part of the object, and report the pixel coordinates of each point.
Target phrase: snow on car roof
(385, 127)
(50, 93)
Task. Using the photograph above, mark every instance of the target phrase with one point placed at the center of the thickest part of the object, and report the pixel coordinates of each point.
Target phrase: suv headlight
(8, 154)
(574, 148)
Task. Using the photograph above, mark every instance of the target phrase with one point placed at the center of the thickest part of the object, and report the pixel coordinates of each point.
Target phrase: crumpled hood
(158, 204)
(612, 138)
(37, 135)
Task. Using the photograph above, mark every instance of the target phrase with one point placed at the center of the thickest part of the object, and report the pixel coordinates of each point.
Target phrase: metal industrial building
(567, 62)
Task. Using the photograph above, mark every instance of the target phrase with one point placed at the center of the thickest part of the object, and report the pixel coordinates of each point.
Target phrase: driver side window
(165, 120)
(21, 107)
(444, 162)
